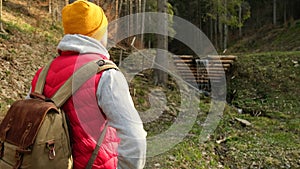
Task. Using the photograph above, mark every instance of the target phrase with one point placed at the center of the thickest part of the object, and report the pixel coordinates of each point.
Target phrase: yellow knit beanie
(85, 18)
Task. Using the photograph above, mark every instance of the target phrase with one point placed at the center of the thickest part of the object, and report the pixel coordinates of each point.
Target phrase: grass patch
(266, 82)
(265, 87)
(4, 106)
(269, 38)
(21, 27)
(4, 36)
(259, 144)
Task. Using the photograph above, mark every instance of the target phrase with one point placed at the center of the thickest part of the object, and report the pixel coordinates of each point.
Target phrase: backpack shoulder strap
(79, 78)
(96, 150)
(39, 87)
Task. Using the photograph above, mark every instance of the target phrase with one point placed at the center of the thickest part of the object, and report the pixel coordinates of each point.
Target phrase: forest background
(260, 124)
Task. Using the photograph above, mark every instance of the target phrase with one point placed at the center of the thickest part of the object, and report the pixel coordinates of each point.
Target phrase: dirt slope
(29, 42)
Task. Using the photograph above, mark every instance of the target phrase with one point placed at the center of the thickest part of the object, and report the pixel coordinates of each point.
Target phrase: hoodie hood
(82, 44)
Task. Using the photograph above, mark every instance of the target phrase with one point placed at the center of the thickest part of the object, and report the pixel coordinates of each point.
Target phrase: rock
(157, 165)
(244, 122)
(172, 158)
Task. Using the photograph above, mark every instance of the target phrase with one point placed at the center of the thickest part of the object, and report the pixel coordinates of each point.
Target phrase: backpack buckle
(100, 62)
(51, 146)
(48, 100)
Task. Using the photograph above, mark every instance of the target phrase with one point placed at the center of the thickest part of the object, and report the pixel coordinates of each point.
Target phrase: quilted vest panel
(85, 117)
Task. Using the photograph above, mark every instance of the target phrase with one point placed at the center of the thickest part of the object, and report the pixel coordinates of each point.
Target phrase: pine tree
(162, 44)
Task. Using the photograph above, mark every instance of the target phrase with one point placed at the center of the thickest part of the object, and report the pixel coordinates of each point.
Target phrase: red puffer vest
(85, 116)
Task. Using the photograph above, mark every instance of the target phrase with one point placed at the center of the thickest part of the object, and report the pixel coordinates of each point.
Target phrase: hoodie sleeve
(115, 101)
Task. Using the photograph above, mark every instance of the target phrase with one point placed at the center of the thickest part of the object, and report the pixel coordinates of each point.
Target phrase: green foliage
(152, 7)
(266, 82)
(4, 106)
(269, 38)
(190, 153)
(227, 11)
(22, 27)
(4, 36)
(260, 143)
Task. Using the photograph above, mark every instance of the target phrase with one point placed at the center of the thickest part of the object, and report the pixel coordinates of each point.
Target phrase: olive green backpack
(34, 133)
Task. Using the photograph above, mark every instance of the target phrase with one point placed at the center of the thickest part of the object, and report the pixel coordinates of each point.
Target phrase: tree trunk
(284, 12)
(274, 12)
(225, 36)
(28, 4)
(126, 2)
(220, 24)
(120, 8)
(140, 6)
(199, 14)
(291, 12)
(143, 22)
(59, 8)
(130, 7)
(117, 9)
(225, 28)
(116, 27)
(131, 26)
(1, 25)
(220, 28)
(240, 20)
(216, 34)
(50, 6)
(211, 28)
(162, 44)
(137, 24)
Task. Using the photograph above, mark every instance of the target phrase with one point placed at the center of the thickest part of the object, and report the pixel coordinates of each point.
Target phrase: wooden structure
(204, 71)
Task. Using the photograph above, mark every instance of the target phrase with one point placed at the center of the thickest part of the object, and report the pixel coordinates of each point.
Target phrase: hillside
(269, 38)
(263, 88)
(30, 41)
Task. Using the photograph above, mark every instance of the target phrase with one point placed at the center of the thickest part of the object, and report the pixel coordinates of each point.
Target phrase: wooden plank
(218, 65)
(199, 81)
(204, 78)
(214, 72)
(201, 74)
(195, 69)
(175, 59)
(218, 61)
(209, 57)
(191, 65)
(185, 64)
(221, 61)
(222, 57)
(183, 56)
(183, 61)
(216, 75)
(203, 81)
